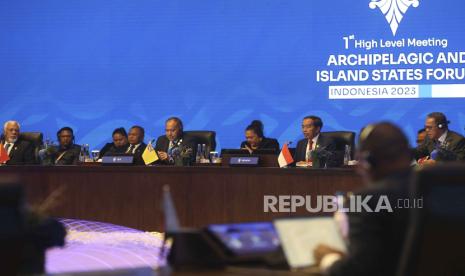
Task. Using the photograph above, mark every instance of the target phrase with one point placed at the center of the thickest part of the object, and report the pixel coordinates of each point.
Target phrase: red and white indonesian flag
(285, 157)
(3, 154)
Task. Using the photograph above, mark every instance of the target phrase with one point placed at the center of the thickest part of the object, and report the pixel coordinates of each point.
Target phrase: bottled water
(198, 153)
(84, 155)
(346, 155)
(82, 158)
(203, 156)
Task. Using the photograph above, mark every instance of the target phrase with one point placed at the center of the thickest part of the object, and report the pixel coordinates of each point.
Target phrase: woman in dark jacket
(120, 143)
(255, 139)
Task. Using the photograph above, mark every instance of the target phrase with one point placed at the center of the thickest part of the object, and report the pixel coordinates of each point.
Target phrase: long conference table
(132, 196)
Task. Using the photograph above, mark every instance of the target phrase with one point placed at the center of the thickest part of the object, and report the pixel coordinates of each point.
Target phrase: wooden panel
(131, 196)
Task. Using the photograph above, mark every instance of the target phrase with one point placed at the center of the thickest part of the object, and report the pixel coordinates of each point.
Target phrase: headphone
(443, 124)
(366, 156)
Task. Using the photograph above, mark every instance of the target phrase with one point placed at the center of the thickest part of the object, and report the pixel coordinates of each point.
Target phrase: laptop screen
(246, 238)
(300, 236)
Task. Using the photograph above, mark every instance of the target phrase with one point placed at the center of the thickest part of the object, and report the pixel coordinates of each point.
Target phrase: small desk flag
(149, 155)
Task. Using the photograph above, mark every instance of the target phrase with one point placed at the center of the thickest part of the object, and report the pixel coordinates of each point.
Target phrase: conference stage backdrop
(96, 65)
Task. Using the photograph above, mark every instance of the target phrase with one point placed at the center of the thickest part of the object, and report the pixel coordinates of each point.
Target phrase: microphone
(44, 153)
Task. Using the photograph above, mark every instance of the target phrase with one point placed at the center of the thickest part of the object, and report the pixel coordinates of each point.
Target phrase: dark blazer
(323, 142)
(266, 143)
(138, 154)
(376, 239)
(110, 149)
(455, 144)
(163, 144)
(70, 156)
(22, 153)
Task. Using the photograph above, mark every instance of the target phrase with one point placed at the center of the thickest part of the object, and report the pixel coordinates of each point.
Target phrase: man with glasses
(440, 144)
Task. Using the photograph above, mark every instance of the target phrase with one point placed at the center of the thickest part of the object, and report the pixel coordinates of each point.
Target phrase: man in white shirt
(136, 144)
(313, 140)
(21, 152)
(174, 138)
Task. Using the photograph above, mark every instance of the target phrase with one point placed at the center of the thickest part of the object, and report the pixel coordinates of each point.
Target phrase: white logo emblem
(394, 10)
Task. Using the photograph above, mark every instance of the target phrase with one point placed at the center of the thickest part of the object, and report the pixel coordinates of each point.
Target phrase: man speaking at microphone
(173, 140)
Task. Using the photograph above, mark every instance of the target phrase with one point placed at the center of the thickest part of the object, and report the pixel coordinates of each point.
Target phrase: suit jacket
(455, 144)
(163, 144)
(22, 153)
(70, 156)
(323, 142)
(266, 143)
(110, 149)
(376, 239)
(138, 154)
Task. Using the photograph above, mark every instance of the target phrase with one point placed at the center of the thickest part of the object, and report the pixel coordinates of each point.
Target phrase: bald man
(174, 138)
(21, 152)
(375, 238)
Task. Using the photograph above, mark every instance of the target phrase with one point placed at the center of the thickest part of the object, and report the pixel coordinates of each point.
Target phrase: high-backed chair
(206, 137)
(36, 138)
(342, 139)
(435, 241)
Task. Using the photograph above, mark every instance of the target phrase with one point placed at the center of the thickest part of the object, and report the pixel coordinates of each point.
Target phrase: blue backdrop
(96, 65)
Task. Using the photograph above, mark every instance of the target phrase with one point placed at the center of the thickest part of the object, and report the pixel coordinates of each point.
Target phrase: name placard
(118, 160)
(244, 161)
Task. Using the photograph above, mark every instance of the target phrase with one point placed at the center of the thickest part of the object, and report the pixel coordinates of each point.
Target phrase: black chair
(36, 138)
(292, 151)
(203, 137)
(343, 138)
(435, 241)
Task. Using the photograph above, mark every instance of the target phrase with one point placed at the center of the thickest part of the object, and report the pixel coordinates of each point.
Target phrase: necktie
(308, 155)
(7, 146)
(170, 148)
(131, 149)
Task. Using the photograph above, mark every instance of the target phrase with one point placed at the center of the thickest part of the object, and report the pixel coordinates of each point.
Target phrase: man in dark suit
(375, 239)
(314, 140)
(440, 144)
(174, 139)
(136, 144)
(421, 136)
(21, 152)
(67, 153)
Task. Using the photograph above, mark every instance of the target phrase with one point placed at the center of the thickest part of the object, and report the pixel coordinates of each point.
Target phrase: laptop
(300, 236)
